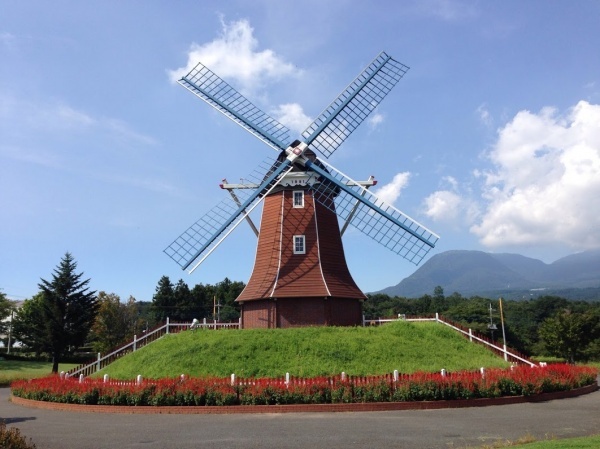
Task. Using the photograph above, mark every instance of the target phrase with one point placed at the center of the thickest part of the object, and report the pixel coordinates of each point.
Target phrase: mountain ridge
(471, 273)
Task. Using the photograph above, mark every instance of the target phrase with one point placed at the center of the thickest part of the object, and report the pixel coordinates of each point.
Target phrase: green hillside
(312, 351)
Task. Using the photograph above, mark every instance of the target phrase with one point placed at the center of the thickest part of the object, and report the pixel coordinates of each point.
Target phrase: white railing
(504, 350)
(147, 338)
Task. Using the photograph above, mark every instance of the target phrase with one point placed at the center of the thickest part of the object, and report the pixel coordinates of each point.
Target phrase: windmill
(300, 275)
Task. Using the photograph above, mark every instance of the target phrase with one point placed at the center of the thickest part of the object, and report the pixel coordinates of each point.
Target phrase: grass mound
(307, 352)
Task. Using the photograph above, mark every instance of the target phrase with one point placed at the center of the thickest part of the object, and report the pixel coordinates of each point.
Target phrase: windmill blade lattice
(204, 83)
(382, 222)
(354, 104)
(201, 238)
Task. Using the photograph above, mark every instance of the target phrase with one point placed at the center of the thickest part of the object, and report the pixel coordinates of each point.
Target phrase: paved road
(452, 428)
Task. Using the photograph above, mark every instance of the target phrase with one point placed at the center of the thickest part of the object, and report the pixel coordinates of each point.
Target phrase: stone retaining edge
(303, 408)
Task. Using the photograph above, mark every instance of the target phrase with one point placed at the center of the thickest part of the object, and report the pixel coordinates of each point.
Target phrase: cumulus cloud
(292, 116)
(544, 186)
(390, 192)
(450, 204)
(234, 55)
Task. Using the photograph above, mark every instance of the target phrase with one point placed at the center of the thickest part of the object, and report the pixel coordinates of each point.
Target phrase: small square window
(298, 198)
(299, 246)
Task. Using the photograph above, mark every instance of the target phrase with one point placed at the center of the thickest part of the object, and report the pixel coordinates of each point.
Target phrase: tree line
(546, 325)
(65, 316)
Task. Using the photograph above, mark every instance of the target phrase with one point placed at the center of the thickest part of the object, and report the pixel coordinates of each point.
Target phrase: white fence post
(98, 363)
(134, 343)
(287, 378)
(505, 353)
(81, 378)
(470, 335)
(437, 316)
(167, 325)
(396, 375)
(233, 379)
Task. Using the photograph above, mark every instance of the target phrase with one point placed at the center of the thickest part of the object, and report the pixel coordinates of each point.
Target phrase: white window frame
(299, 243)
(301, 196)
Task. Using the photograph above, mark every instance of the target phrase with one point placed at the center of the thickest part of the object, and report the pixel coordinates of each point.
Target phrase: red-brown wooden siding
(289, 289)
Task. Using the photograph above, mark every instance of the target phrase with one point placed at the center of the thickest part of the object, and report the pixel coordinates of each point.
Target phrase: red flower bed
(518, 381)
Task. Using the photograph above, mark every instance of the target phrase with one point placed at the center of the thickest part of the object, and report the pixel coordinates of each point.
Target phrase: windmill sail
(202, 237)
(354, 204)
(382, 222)
(354, 104)
(204, 83)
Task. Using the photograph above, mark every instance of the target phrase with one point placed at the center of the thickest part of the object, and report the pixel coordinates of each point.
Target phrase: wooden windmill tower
(300, 275)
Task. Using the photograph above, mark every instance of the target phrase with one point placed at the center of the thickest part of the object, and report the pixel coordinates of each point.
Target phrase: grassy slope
(312, 351)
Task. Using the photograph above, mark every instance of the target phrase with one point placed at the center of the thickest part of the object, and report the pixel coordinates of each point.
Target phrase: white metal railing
(507, 353)
(147, 338)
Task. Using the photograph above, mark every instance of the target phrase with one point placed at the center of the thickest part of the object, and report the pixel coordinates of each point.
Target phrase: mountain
(511, 275)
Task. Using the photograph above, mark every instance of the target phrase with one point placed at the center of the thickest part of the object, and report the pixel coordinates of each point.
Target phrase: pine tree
(69, 309)
(163, 301)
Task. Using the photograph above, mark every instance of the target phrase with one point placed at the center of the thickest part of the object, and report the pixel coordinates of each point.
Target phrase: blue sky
(492, 138)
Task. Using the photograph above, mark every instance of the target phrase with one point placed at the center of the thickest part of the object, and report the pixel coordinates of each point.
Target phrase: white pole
(503, 334)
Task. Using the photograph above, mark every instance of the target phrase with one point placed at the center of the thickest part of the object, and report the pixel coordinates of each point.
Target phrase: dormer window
(299, 244)
(298, 198)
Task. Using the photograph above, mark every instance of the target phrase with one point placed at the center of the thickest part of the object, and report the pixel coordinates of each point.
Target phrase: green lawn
(22, 369)
(592, 442)
(311, 351)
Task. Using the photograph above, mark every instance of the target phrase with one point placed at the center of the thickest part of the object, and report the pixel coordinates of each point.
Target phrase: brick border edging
(306, 408)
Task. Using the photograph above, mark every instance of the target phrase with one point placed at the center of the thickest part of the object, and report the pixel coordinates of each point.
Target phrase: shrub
(12, 438)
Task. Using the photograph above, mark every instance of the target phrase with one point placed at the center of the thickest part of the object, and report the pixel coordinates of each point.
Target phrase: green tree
(184, 308)
(163, 300)
(69, 309)
(568, 334)
(29, 325)
(115, 322)
(7, 309)
(6, 306)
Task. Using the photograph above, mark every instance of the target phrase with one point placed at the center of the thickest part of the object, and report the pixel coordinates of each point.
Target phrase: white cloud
(234, 56)
(292, 116)
(484, 115)
(7, 38)
(545, 185)
(450, 205)
(448, 10)
(375, 119)
(390, 192)
(443, 205)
